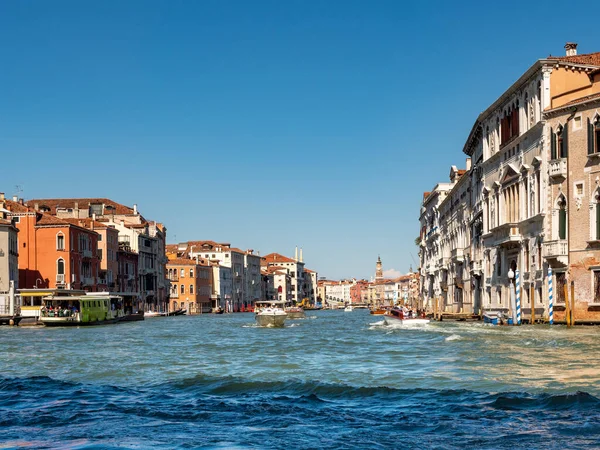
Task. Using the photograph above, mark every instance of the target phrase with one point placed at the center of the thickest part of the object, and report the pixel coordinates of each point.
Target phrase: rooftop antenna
(19, 189)
(414, 260)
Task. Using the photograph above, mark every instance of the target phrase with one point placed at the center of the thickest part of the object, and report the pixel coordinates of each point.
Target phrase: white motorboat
(397, 316)
(349, 308)
(270, 313)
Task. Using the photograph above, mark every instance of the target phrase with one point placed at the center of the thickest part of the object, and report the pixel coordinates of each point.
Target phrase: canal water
(339, 380)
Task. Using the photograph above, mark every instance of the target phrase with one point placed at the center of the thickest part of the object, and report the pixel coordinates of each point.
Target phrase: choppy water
(333, 380)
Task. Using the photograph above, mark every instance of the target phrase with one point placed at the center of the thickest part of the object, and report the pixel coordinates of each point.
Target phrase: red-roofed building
(145, 238)
(191, 285)
(359, 293)
(53, 252)
(295, 268)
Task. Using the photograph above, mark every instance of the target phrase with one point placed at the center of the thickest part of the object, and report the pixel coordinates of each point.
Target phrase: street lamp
(513, 305)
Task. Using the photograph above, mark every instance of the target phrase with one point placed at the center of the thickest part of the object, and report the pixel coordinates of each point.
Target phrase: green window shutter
(562, 223)
(552, 144)
(564, 151)
(590, 129)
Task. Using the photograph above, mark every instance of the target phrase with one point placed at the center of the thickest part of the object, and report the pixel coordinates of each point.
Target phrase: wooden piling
(567, 306)
(572, 303)
(532, 303)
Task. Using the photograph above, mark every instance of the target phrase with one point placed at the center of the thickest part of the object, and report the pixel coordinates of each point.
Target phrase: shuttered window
(552, 144)
(590, 130)
(562, 223)
(560, 287)
(564, 147)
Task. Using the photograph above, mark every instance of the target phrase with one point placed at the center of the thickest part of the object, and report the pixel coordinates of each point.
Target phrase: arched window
(60, 266)
(183, 289)
(526, 108)
(60, 241)
(593, 127)
(562, 217)
(597, 214)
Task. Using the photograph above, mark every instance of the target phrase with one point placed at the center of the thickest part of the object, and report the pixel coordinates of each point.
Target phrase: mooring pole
(567, 306)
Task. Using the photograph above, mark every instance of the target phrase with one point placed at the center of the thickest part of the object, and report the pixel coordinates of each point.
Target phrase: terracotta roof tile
(277, 258)
(48, 219)
(187, 262)
(16, 207)
(589, 59)
(86, 223)
(82, 203)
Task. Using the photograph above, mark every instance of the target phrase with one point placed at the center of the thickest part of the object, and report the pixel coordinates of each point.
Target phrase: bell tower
(378, 270)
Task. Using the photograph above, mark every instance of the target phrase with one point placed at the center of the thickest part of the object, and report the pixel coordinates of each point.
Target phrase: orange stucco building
(191, 285)
(54, 253)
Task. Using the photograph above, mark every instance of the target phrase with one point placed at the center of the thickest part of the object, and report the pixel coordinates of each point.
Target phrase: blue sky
(267, 124)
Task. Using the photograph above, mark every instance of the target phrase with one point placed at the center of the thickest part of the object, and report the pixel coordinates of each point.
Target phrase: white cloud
(391, 273)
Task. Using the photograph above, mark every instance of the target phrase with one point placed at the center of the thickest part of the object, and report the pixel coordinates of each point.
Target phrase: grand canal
(333, 380)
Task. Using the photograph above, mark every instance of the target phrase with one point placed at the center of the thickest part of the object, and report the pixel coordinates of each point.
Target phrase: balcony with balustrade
(557, 250)
(504, 234)
(557, 168)
(457, 255)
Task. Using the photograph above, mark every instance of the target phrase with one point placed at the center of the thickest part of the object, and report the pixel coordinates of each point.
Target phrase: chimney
(296, 254)
(15, 198)
(468, 164)
(1, 195)
(36, 206)
(301, 260)
(76, 205)
(135, 208)
(571, 48)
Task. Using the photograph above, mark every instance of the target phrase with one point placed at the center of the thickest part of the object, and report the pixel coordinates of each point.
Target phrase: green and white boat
(91, 309)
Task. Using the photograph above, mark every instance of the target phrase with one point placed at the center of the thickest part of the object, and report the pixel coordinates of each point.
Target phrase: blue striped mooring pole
(550, 306)
(518, 287)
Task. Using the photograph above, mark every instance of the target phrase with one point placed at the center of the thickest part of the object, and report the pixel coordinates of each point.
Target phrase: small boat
(10, 320)
(380, 311)
(150, 314)
(133, 317)
(218, 310)
(177, 312)
(497, 318)
(295, 312)
(398, 316)
(270, 313)
(349, 308)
